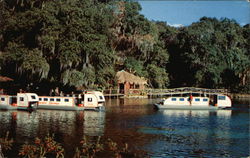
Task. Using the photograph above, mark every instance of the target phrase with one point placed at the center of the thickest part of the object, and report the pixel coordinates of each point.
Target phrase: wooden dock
(112, 93)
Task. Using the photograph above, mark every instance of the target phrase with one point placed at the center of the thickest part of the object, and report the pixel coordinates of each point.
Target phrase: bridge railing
(150, 92)
(186, 90)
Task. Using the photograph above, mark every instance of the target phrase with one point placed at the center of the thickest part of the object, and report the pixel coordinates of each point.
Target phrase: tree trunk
(1, 153)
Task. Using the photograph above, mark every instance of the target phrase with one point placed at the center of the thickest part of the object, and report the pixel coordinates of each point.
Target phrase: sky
(185, 12)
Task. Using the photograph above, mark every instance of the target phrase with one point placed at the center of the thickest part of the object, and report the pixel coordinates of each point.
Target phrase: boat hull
(69, 108)
(185, 107)
(9, 107)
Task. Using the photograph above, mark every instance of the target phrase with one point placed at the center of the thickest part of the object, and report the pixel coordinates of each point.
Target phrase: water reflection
(197, 113)
(68, 127)
(24, 124)
(94, 123)
(199, 134)
(191, 123)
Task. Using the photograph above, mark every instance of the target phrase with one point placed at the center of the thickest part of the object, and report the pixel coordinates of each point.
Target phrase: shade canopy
(123, 76)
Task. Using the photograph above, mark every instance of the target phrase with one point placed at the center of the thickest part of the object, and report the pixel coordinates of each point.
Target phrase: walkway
(164, 92)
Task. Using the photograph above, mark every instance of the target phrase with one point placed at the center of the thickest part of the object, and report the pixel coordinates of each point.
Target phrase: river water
(148, 132)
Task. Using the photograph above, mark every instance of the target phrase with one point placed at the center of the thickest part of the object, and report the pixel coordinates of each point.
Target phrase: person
(52, 92)
(61, 94)
(57, 93)
(21, 90)
(1, 91)
(190, 99)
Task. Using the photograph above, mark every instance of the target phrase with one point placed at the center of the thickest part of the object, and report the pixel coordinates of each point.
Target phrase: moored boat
(22, 101)
(90, 100)
(202, 102)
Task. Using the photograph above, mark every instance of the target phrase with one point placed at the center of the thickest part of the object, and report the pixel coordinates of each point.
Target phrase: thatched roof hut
(123, 76)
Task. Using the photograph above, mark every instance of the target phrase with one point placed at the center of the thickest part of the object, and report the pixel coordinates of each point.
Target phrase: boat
(199, 102)
(21, 101)
(89, 100)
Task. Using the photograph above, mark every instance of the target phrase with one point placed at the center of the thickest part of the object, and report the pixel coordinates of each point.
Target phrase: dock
(112, 93)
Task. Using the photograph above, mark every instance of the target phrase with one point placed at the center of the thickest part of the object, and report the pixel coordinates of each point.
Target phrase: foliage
(118, 151)
(63, 38)
(210, 53)
(84, 43)
(158, 76)
(49, 147)
(73, 78)
(42, 148)
(105, 77)
(5, 144)
(88, 149)
(131, 64)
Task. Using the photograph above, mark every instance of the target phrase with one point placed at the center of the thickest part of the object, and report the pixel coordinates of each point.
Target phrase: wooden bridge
(163, 92)
(185, 90)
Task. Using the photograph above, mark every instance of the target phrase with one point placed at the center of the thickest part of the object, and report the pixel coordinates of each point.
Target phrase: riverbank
(239, 95)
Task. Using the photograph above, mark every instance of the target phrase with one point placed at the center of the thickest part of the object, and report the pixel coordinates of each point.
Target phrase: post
(1, 153)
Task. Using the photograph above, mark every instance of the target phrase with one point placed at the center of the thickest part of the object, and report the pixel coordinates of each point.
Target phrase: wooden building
(127, 81)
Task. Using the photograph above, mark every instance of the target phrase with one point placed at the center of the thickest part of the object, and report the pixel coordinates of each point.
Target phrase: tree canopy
(75, 43)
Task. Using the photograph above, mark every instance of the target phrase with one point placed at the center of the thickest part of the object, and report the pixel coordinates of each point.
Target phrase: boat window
(101, 97)
(40, 99)
(58, 99)
(181, 99)
(33, 97)
(45, 99)
(66, 100)
(2, 99)
(173, 99)
(21, 99)
(222, 97)
(197, 99)
(205, 99)
(89, 99)
(52, 99)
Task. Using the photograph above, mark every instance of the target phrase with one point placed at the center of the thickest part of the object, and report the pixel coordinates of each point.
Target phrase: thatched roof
(5, 79)
(123, 76)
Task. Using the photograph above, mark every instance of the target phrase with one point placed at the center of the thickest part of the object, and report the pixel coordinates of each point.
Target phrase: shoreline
(239, 96)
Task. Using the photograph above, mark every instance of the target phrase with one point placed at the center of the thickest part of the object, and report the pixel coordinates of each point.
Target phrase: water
(151, 133)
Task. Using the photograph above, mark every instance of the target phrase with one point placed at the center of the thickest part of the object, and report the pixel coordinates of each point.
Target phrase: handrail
(180, 90)
(187, 89)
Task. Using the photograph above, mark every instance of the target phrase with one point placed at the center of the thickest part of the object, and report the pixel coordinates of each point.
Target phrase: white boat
(212, 102)
(22, 101)
(90, 100)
